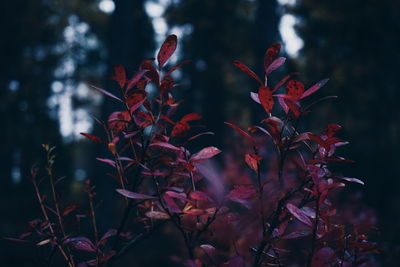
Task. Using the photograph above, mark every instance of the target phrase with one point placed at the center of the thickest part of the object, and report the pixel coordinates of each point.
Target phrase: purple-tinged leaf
(205, 153)
(93, 138)
(166, 145)
(167, 49)
(198, 135)
(133, 195)
(247, 70)
(314, 88)
(106, 93)
(297, 234)
(242, 192)
(275, 65)
(241, 132)
(157, 215)
(201, 196)
(353, 180)
(108, 161)
(81, 243)
(43, 242)
(299, 214)
(255, 97)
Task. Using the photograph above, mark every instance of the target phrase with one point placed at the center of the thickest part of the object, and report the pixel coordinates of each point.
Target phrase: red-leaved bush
(280, 210)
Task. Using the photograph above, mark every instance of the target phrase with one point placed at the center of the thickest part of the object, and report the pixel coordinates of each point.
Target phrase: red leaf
(118, 121)
(201, 196)
(180, 129)
(331, 130)
(133, 195)
(119, 75)
(275, 65)
(106, 93)
(177, 66)
(167, 49)
(271, 53)
(314, 88)
(81, 243)
(205, 153)
(198, 135)
(191, 117)
(265, 96)
(241, 132)
(293, 107)
(295, 89)
(93, 138)
(252, 161)
(282, 82)
(299, 214)
(135, 97)
(171, 205)
(247, 70)
(70, 209)
(135, 79)
(151, 70)
(167, 84)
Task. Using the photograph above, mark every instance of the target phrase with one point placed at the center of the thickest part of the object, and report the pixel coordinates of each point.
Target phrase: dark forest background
(50, 51)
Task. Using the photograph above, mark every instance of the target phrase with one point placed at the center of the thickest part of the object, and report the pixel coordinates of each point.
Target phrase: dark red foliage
(280, 211)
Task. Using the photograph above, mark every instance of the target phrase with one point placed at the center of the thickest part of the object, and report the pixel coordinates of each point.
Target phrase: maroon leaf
(200, 134)
(171, 205)
(271, 53)
(133, 195)
(119, 75)
(205, 153)
(177, 66)
(135, 79)
(191, 117)
(70, 209)
(242, 192)
(106, 93)
(165, 145)
(247, 70)
(299, 214)
(201, 196)
(180, 129)
(282, 82)
(167, 49)
(265, 96)
(275, 65)
(81, 243)
(314, 88)
(295, 89)
(241, 132)
(252, 161)
(93, 138)
(157, 215)
(151, 70)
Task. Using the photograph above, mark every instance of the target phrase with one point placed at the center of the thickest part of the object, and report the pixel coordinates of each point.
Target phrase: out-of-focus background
(52, 50)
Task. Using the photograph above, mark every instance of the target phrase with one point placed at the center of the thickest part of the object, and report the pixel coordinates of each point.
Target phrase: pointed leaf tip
(167, 49)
